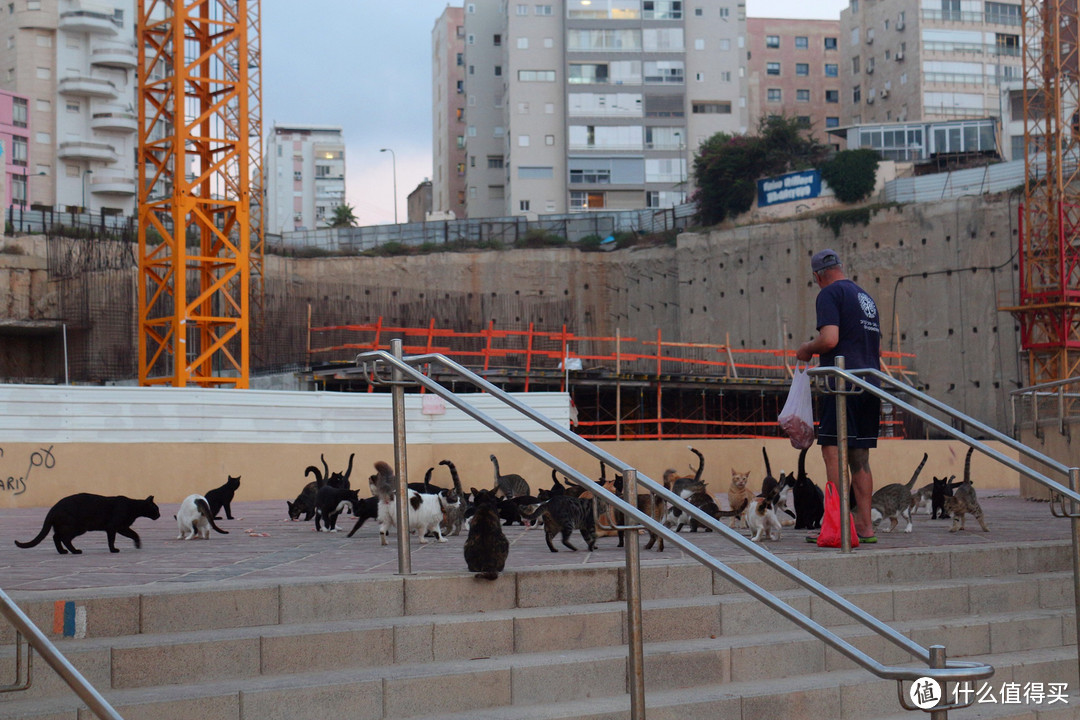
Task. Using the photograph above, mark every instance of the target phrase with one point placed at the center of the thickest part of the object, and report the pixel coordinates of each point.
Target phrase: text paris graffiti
(17, 484)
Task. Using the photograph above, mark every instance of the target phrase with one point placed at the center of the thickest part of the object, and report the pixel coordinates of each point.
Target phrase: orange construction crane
(1049, 309)
(194, 193)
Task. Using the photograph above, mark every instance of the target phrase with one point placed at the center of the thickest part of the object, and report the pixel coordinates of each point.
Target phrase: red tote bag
(830, 522)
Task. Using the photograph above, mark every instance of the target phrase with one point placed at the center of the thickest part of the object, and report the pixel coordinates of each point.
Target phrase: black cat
(942, 489)
(222, 497)
(74, 515)
(331, 502)
(304, 503)
(808, 499)
(486, 548)
(366, 509)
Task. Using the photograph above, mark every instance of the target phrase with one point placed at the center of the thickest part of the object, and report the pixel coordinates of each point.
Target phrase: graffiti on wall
(17, 484)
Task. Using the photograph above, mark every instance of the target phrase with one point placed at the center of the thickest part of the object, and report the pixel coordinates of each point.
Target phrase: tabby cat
(739, 495)
(455, 515)
(563, 514)
(74, 515)
(222, 497)
(685, 486)
(486, 547)
(510, 485)
(894, 501)
(964, 501)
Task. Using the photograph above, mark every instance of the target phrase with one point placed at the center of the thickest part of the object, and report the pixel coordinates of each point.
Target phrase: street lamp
(86, 172)
(393, 157)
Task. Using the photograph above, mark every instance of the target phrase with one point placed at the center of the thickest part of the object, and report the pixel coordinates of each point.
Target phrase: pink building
(794, 70)
(15, 136)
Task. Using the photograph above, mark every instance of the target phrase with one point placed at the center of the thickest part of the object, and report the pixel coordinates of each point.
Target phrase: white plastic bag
(797, 417)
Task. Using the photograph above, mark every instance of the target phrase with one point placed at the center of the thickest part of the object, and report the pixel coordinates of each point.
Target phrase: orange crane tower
(1049, 310)
(194, 193)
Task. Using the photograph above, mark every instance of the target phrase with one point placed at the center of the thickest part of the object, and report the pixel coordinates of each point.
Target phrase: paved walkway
(263, 545)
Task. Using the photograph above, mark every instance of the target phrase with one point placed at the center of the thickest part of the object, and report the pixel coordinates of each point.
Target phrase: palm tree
(343, 217)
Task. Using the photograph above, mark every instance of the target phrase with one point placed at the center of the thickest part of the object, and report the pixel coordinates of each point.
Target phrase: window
(523, 43)
(470, 8)
(832, 70)
(699, 12)
(72, 107)
(460, 169)
(536, 75)
(711, 108)
(523, 141)
(1002, 13)
(460, 86)
(802, 42)
(494, 162)
(72, 170)
(774, 95)
(725, 75)
(772, 41)
(43, 137)
(772, 68)
(831, 122)
(854, 6)
(472, 161)
(496, 40)
(18, 150)
(471, 40)
(803, 121)
(725, 12)
(460, 59)
(549, 139)
(523, 108)
(664, 71)
(522, 9)
(523, 205)
(830, 43)
(18, 189)
(855, 65)
(543, 10)
(802, 69)
(662, 9)
(802, 96)
(33, 4)
(536, 172)
(460, 142)
(856, 94)
(591, 177)
(496, 192)
(498, 71)
(725, 44)
(19, 112)
(549, 108)
(580, 200)
(43, 73)
(471, 131)
(699, 44)
(43, 40)
(1007, 44)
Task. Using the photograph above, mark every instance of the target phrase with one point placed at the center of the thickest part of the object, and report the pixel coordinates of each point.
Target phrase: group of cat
(944, 495)
(114, 515)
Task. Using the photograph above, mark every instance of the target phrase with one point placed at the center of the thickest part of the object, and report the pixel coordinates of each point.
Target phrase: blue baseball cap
(824, 260)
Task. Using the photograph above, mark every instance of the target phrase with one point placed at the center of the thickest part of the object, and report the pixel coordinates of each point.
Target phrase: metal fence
(49, 221)
(474, 231)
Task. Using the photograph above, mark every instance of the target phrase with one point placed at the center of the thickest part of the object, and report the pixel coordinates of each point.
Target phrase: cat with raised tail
(455, 517)
(74, 515)
(964, 500)
(895, 501)
(195, 518)
(486, 547)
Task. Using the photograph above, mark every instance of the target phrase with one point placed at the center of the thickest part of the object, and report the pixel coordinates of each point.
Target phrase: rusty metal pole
(397, 393)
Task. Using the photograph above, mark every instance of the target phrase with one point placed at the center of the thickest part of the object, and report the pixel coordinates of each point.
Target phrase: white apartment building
(448, 112)
(576, 105)
(75, 62)
(932, 60)
(304, 176)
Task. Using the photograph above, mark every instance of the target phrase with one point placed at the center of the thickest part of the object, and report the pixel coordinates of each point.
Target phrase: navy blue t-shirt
(854, 312)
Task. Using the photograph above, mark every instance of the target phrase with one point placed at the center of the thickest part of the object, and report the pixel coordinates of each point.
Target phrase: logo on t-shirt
(868, 307)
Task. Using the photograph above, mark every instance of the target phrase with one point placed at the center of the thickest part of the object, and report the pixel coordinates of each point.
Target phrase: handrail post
(937, 660)
(397, 393)
(842, 459)
(633, 605)
(1074, 507)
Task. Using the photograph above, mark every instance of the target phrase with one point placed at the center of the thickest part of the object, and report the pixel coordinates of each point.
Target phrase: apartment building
(928, 60)
(448, 112)
(75, 65)
(794, 70)
(577, 105)
(15, 139)
(304, 176)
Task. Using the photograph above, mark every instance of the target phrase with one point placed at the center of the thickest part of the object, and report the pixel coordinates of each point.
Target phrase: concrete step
(492, 693)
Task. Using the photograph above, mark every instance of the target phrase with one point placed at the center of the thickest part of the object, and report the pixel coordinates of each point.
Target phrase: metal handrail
(937, 668)
(60, 664)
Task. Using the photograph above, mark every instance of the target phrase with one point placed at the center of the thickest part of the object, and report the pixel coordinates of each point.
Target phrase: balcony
(121, 57)
(112, 185)
(85, 150)
(115, 121)
(88, 87)
(88, 21)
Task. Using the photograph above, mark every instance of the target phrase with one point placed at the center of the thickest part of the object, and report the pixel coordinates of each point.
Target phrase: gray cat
(964, 501)
(894, 501)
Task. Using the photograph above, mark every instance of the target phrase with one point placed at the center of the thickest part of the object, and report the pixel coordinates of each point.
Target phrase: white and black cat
(222, 497)
(425, 514)
(194, 518)
(74, 515)
(330, 502)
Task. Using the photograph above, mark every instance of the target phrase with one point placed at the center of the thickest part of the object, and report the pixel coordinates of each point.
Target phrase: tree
(343, 216)
(851, 174)
(727, 167)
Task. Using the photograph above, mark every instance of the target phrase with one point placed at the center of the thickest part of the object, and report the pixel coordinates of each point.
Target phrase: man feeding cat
(847, 324)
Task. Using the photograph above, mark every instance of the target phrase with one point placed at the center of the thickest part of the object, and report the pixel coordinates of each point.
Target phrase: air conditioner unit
(884, 93)
(899, 57)
(899, 24)
(869, 39)
(870, 100)
(869, 69)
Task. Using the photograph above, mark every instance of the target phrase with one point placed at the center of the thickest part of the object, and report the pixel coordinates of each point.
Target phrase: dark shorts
(863, 420)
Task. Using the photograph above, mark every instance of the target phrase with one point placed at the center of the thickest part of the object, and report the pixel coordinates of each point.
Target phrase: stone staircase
(549, 643)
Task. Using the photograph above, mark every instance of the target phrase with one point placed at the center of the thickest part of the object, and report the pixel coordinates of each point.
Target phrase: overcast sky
(366, 66)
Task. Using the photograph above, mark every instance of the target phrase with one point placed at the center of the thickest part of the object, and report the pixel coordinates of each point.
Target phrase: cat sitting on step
(486, 547)
(195, 518)
(74, 515)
